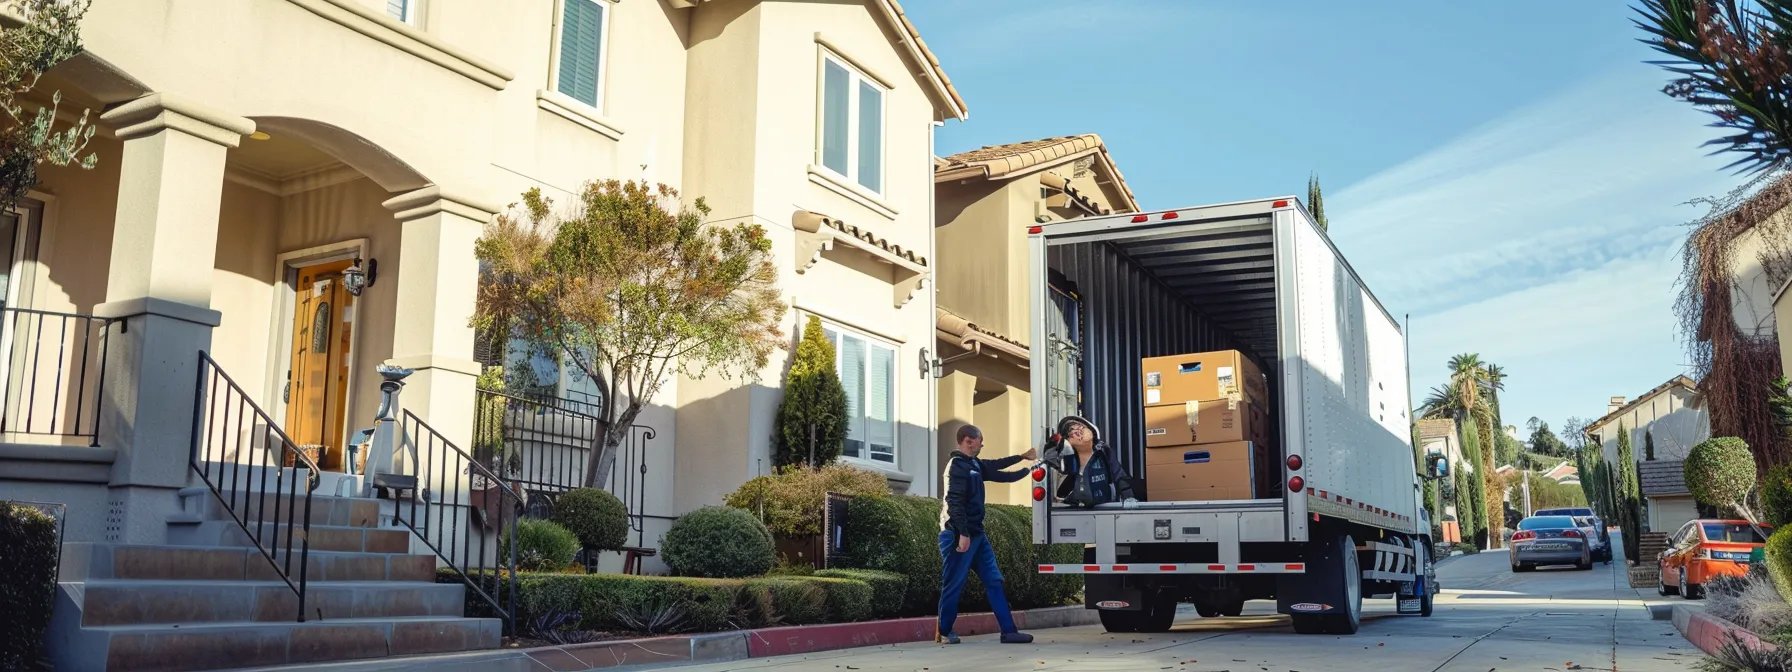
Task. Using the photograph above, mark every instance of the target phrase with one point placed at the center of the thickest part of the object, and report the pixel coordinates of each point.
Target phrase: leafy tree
(1546, 493)
(634, 288)
(1316, 201)
(1628, 494)
(1510, 450)
(1721, 472)
(1732, 59)
(1584, 467)
(814, 404)
(51, 34)
(1545, 442)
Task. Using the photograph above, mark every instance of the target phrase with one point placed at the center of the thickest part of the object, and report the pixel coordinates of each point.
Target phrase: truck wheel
(1424, 568)
(1120, 621)
(1159, 614)
(1348, 622)
(1350, 575)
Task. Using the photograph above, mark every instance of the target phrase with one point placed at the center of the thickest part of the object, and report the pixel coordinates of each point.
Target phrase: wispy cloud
(1546, 240)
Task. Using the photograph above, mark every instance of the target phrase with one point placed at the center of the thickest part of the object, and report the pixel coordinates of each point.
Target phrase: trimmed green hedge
(1779, 561)
(887, 588)
(541, 546)
(27, 586)
(662, 605)
(719, 542)
(596, 517)
(901, 535)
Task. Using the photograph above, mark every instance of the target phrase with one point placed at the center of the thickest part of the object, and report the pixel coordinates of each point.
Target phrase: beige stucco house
(1673, 416)
(250, 152)
(986, 200)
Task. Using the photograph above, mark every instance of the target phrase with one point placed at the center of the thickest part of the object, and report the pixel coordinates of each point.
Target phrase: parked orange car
(1706, 549)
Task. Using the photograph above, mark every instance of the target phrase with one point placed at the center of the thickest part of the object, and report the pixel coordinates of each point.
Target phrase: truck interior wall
(1129, 315)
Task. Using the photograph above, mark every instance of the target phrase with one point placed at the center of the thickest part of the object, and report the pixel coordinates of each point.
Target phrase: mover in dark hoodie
(963, 548)
(1091, 476)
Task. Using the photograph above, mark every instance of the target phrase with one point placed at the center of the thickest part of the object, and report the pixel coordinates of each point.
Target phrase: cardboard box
(1203, 376)
(1201, 473)
(1195, 422)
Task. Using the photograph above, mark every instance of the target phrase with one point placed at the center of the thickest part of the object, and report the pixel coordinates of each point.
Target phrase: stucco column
(164, 245)
(432, 333)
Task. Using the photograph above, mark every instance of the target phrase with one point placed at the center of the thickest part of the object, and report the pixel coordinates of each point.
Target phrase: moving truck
(1334, 513)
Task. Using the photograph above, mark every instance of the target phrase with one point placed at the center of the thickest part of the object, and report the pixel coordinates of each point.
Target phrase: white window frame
(410, 12)
(865, 376)
(854, 76)
(603, 51)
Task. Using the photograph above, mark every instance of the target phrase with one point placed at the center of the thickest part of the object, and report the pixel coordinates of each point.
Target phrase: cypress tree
(1628, 494)
(813, 397)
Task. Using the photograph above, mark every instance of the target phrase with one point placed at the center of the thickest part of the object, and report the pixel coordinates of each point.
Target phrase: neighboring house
(1438, 436)
(1674, 416)
(1668, 502)
(1565, 473)
(986, 199)
(251, 152)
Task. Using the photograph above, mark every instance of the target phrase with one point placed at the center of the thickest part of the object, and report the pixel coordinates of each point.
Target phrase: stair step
(215, 646)
(323, 537)
(91, 561)
(114, 602)
(199, 503)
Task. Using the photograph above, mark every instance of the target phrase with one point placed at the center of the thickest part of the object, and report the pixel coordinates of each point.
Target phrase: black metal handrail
(223, 417)
(55, 372)
(461, 500)
(628, 479)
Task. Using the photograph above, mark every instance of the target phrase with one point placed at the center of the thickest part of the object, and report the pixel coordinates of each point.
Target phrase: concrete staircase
(210, 599)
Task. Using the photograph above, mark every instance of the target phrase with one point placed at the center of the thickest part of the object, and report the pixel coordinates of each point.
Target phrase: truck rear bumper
(1178, 568)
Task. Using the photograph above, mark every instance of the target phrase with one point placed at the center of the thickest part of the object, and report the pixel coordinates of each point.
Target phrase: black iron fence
(544, 445)
(465, 513)
(54, 371)
(255, 472)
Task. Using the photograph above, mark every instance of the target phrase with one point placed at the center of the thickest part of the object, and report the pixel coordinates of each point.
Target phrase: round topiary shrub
(28, 586)
(541, 546)
(719, 542)
(596, 517)
(1776, 495)
(1720, 471)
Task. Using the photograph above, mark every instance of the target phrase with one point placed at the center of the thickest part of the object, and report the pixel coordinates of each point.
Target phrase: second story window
(403, 10)
(579, 71)
(852, 124)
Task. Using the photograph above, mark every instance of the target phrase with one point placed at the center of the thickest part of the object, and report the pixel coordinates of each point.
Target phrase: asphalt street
(1486, 619)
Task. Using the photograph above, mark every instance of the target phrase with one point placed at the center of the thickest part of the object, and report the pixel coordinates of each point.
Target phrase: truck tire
(1120, 621)
(1159, 614)
(1424, 566)
(1349, 573)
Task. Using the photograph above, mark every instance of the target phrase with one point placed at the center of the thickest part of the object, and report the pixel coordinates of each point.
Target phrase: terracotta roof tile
(997, 161)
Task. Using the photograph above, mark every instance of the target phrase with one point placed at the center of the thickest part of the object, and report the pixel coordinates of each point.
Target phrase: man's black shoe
(1016, 638)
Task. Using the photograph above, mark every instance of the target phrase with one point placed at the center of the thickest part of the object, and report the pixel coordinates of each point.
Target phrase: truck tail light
(1294, 463)
(1038, 494)
(1295, 484)
(1039, 474)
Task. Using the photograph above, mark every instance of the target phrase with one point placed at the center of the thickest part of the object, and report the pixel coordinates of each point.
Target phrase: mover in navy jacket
(963, 548)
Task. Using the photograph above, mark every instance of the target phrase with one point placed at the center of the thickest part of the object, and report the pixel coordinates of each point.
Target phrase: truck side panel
(1352, 384)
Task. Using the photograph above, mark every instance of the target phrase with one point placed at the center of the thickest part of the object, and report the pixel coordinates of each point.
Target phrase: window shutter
(581, 32)
(871, 135)
(835, 115)
(880, 425)
(399, 9)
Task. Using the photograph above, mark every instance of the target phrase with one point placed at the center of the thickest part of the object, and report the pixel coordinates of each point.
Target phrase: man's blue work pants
(956, 568)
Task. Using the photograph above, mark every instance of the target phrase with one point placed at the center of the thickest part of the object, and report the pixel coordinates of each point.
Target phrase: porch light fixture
(354, 279)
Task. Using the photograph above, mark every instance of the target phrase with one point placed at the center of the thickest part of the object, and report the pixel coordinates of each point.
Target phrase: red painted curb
(1711, 633)
(812, 638)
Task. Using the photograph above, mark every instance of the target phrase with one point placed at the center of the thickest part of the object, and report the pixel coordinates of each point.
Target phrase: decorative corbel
(906, 288)
(813, 236)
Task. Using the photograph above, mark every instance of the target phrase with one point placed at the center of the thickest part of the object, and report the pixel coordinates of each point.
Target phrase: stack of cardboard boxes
(1207, 427)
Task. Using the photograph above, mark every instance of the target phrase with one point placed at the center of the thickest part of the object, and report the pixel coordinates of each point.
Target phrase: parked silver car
(1602, 548)
(1550, 540)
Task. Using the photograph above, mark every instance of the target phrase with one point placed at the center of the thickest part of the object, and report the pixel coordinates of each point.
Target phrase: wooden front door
(317, 375)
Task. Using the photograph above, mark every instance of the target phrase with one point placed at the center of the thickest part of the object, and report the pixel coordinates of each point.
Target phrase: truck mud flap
(1112, 593)
(1316, 591)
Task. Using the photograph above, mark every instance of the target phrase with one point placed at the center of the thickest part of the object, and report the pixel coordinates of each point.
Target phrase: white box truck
(1344, 519)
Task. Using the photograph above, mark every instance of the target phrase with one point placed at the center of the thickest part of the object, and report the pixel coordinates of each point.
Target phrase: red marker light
(1140, 219)
(1039, 474)
(1294, 462)
(1038, 494)
(1295, 484)
(1035, 229)
(1280, 204)
(1170, 215)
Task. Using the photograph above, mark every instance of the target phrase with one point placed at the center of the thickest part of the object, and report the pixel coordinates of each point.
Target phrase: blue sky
(1507, 173)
